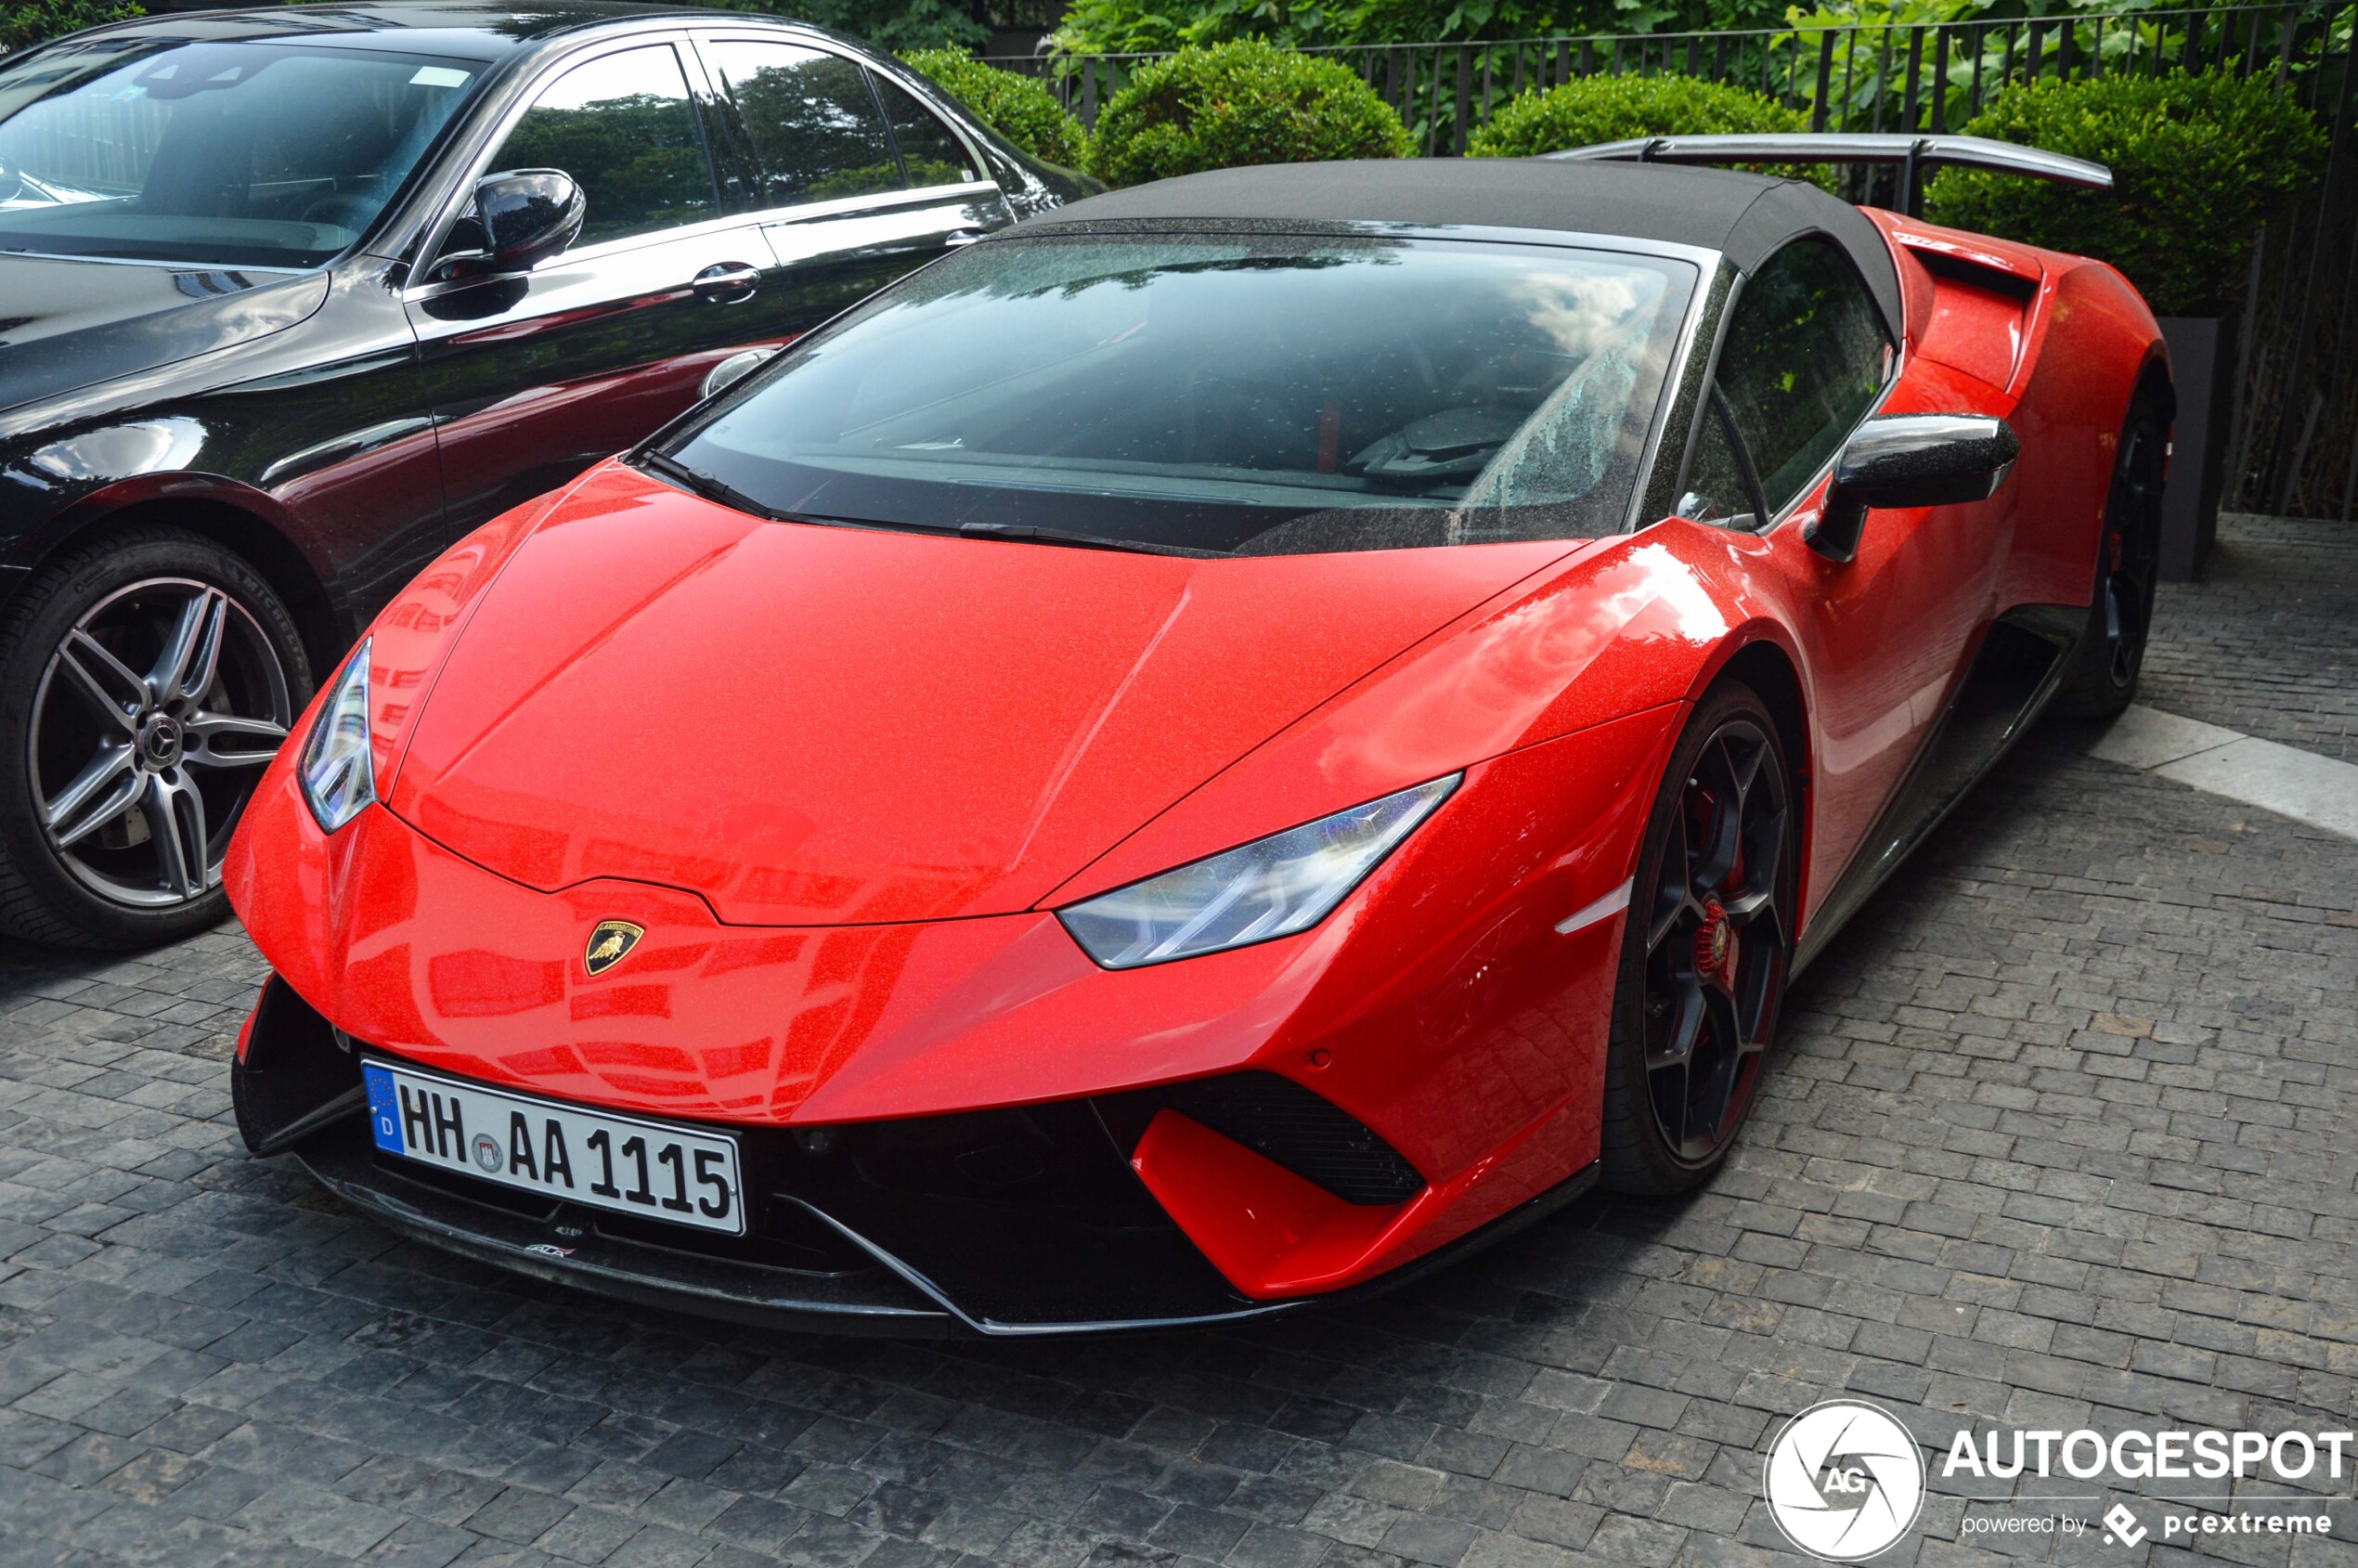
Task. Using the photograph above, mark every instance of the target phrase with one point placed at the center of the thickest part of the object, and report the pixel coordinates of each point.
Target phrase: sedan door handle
(726, 282)
(958, 236)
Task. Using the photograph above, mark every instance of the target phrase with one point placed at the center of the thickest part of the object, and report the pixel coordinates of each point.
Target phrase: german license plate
(657, 1170)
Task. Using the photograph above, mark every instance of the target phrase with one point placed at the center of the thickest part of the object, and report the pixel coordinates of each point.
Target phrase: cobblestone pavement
(2267, 643)
(2061, 1134)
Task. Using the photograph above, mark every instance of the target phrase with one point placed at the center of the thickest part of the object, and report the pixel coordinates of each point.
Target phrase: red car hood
(821, 726)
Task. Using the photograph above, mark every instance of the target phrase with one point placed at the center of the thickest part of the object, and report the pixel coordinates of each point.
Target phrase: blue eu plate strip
(384, 1108)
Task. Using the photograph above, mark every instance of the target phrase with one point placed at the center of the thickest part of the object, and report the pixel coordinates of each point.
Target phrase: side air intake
(1285, 1124)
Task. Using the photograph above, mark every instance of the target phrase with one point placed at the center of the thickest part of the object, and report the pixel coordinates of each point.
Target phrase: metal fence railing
(2294, 444)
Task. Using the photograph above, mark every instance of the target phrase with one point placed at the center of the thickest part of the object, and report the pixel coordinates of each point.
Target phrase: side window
(931, 152)
(811, 120)
(1718, 489)
(1804, 358)
(624, 128)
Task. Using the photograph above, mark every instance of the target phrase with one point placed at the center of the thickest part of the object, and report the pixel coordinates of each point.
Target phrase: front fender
(1621, 626)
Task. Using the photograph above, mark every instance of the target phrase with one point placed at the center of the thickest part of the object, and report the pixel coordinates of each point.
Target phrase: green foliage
(1019, 108)
(1243, 102)
(1863, 67)
(1132, 26)
(1589, 109)
(2197, 161)
(24, 23)
(889, 24)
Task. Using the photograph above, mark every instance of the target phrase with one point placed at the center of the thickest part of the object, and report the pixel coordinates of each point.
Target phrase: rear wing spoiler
(1912, 154)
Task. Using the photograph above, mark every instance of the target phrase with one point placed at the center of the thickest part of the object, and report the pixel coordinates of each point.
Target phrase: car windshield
(239, 154)
(1250, 395)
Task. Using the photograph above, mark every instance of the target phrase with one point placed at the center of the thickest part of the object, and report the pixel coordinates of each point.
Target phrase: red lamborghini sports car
(1204, 754)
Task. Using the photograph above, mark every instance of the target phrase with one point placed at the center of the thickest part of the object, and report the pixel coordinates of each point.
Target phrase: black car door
(536, 375)
(857, 182)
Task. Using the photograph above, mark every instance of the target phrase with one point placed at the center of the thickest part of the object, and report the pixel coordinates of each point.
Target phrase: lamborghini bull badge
(610, 943)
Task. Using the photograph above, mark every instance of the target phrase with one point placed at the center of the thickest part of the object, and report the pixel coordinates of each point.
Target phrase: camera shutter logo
(1843, 1481)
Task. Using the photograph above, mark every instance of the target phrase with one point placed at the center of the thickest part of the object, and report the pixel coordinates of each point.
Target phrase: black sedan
(291, 299)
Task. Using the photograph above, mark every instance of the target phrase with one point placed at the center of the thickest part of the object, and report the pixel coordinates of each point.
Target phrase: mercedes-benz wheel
(143, 683)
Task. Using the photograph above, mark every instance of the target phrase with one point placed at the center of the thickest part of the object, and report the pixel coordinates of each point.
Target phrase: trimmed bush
(2197, 161)
(889, 24)
(24, 23)
(1019, 108)
(1590, 110)
(1232, 104)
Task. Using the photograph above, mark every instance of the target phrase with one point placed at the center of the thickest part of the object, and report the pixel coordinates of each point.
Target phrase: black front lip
(893, 1300)
(839, 1304)
(873, 1301)
(889, 1299)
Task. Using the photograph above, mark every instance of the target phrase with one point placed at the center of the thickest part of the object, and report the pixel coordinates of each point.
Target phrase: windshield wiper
(1080, 542)
(711, 489)
(704, 484)
(1021, 531)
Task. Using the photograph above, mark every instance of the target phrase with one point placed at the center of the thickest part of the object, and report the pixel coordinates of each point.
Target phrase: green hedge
(1245, 102)
(1590, 110)
(2197, 162)
(1019, 108)
(889, 24)
(24, 23)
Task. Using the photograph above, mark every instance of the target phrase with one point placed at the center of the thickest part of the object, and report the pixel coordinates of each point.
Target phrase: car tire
(141, 679)
(1706, 950)
(2101, 678)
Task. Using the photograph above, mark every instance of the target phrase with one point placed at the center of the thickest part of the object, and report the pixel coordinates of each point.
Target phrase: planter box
(2202, 364)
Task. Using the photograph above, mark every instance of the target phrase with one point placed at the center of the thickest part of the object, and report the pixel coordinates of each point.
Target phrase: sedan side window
(624, 128)
(930, 152)
(814, 123)
(1805, 356)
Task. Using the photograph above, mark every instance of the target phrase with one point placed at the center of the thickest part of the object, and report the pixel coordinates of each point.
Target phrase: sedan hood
(812, 725)
(69, 324)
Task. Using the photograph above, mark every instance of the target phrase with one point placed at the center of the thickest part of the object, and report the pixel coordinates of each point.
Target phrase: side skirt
(2014, 676)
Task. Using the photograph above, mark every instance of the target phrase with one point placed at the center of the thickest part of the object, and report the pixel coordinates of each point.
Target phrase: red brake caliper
(1715, 946)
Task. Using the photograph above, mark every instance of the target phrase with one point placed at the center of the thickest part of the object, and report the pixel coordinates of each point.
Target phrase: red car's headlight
(1271, 888)
(339, 772)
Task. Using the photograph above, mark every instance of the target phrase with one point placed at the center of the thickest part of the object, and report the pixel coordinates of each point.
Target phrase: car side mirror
(1910, 460)
(521, 218)
(11, 182)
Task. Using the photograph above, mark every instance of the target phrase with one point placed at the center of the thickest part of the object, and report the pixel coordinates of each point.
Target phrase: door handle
(726, 282)
(958, 236)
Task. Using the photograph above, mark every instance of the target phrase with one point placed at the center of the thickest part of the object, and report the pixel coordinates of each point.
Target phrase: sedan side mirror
(1910, 460)
(522, 217)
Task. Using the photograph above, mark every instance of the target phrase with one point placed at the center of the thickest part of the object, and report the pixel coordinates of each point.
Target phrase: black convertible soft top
(1744, 216)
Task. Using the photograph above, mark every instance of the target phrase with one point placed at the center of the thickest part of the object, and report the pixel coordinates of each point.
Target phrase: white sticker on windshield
(438, 76)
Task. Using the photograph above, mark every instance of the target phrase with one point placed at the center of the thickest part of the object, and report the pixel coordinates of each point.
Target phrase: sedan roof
(470, 29)
(1743, 216)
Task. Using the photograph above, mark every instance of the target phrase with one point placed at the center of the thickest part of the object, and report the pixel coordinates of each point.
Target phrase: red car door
(1806, 357)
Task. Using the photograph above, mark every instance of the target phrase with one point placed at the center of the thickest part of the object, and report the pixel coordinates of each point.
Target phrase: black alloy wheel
(144, 686)
(1706, 950)
(2103, 678)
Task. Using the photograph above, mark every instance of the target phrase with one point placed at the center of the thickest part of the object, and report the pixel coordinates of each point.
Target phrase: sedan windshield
(239, 154)
(1256, 394)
